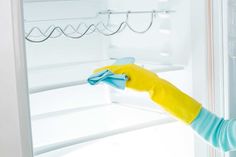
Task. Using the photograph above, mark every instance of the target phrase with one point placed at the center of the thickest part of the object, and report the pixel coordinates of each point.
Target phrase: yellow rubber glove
(161, 91)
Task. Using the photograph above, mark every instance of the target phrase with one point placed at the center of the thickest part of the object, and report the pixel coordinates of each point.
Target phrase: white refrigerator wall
(15, 137)
(44, 14)
(167, 42)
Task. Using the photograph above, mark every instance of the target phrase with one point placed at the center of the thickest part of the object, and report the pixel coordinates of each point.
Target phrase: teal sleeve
(217, 131)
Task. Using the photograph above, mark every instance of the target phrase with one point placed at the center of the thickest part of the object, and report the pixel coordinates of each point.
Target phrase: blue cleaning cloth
(106, 76)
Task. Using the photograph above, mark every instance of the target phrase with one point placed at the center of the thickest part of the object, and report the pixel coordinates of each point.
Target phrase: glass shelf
(52, 132)
(64, 75)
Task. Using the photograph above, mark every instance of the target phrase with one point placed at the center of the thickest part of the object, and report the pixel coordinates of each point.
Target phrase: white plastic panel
(15, 137)
(43, 14)
(67, 99)
(168, 40)
(51, 10)
(155, 141)
(64, 50)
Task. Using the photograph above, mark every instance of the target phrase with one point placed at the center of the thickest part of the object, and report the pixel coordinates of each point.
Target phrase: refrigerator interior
(69, 115)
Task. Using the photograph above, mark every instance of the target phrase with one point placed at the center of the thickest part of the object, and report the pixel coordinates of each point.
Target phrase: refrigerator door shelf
(51, 77)
(70, 128)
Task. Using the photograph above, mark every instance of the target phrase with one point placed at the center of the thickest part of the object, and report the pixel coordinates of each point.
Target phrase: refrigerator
(49, 48)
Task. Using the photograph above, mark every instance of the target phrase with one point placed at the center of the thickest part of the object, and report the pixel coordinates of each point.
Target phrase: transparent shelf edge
(83, 80)
(108, 114)
(59, 145)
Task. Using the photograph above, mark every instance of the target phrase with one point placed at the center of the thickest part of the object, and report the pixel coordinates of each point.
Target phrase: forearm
(217, 131)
